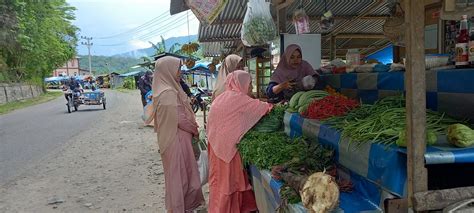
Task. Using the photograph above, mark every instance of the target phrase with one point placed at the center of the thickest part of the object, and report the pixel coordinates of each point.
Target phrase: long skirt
(182, 181)
(229, 187)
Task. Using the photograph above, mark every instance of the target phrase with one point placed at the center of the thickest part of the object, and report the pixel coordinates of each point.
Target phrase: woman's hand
(287, 85)
(283, 86)
(196, 136)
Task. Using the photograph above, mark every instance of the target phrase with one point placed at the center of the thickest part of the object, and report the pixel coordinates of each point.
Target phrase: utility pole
(88, 44)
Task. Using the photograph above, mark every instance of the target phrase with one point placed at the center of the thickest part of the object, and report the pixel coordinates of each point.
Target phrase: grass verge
(48, 96)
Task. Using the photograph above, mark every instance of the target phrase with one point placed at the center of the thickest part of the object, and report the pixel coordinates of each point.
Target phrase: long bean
(382, 122)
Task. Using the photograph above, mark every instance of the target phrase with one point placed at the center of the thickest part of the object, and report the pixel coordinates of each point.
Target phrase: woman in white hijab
(231, 63)
(175, 125)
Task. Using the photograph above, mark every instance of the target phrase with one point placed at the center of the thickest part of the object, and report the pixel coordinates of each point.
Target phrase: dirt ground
(114, 166)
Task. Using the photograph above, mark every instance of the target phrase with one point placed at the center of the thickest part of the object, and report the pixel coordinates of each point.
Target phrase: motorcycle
(201, 99)
(73, 99)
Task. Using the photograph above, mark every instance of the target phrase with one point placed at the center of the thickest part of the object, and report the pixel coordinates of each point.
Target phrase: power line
(164, 30)
(137, 28)
(166, 24)
(145, 38)
(170, 19)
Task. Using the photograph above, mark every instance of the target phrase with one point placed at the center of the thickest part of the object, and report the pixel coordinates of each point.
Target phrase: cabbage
(460, 135)
(431, 138)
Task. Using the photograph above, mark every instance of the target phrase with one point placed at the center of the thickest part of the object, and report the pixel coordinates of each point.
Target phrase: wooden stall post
(415, 82)
(281, 16)
(332, 49)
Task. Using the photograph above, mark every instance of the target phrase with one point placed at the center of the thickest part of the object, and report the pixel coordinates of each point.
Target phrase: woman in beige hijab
(175, 125)
(231, 63)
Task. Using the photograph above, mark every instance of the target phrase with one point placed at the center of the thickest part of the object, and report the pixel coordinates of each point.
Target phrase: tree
(160, 47)
(40, 37)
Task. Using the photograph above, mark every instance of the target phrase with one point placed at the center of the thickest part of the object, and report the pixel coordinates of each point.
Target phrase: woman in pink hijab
(231, 63)
(232, 114)
(175, 126)
(288, 76)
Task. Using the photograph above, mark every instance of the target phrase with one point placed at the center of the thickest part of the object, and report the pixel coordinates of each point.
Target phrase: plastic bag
(203, 166)
(309, 82)
(206, 10)
(258, 26)
(203, 161)
(301, 22)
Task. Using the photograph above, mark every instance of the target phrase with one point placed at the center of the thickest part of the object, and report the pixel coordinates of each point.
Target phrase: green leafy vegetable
(273, 121)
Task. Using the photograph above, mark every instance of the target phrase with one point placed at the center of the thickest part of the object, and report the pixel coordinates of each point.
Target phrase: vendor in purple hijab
(287, 78)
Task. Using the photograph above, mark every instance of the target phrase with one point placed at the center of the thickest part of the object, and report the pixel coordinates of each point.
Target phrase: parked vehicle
(202, 99)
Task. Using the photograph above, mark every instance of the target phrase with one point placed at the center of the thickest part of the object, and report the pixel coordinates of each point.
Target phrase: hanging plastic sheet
(206, 10)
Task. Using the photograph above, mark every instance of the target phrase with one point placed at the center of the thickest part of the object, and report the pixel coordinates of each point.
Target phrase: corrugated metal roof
(216, 48)
(226, 26)
(337, 7)
(235, 9)
(382, 10)
(215, 32)
(364, 26)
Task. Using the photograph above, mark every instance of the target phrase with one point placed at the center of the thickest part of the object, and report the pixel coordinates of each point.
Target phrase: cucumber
(294, 100)
(311, 95)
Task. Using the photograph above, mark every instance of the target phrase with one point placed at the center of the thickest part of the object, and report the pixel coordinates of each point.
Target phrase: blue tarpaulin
(384, 55)
(56, 79)
(200, 68)
(448, 91)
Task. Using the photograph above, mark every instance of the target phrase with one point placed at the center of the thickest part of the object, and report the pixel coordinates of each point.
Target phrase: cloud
(138, 44)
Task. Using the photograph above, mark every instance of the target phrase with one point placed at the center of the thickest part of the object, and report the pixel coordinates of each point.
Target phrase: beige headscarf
(229, 65)
(167, 95)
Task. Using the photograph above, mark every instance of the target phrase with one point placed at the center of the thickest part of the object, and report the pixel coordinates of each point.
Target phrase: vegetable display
(320, 193)
(333, 92)
(383, 122)
(290, 159)
(273, 121)
(266, 150)
(329, 106)
(460, 135)
(300, 101)
(296, 158)
(431, 138)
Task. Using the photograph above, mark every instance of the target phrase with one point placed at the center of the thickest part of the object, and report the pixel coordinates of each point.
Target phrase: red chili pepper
(330, 106)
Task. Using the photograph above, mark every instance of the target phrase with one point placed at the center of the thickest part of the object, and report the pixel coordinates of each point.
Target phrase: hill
(108, 64)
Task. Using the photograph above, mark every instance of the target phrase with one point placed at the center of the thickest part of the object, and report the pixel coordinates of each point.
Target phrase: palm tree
(147, 63)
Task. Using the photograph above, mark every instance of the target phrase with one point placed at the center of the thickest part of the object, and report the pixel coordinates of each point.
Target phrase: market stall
(200, 75)
(379, 171)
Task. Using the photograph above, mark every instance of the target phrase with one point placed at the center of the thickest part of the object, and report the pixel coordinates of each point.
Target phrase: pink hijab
(284, 72)
(167, 95)
(229, 65)
(232, 114)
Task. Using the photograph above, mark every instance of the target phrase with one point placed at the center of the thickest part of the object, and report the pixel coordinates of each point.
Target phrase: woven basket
(394, 27)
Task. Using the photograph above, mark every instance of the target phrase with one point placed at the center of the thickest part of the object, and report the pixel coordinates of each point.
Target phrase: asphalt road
(30, 134)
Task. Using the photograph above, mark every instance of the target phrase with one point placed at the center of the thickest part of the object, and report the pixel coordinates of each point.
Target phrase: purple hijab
(284, 72)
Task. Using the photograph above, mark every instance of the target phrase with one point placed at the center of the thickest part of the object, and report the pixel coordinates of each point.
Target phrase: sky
(112, 24)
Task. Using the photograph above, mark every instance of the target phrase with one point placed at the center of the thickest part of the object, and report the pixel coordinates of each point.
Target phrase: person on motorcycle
(74, 86)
